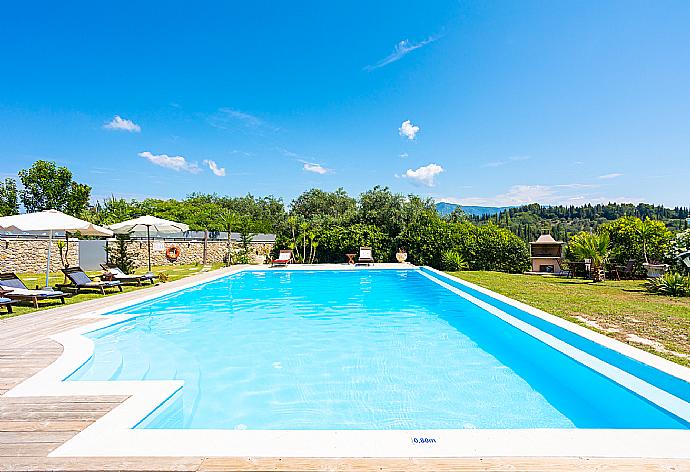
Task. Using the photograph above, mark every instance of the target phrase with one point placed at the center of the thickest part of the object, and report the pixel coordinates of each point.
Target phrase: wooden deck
(32, 427)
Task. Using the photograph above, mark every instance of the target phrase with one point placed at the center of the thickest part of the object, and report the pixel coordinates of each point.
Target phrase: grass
(620, 309)
(32, 280)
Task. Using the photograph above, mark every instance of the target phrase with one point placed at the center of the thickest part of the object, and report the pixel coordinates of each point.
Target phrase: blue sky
(489, 103)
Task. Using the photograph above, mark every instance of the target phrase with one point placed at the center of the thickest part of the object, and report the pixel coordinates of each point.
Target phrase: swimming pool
(367, 349)
(333, 361)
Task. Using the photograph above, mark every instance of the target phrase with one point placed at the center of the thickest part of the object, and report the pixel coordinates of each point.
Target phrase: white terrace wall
(29, 255)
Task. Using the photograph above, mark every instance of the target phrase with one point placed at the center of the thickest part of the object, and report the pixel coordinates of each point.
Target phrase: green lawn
(31, 280)
(620, 309)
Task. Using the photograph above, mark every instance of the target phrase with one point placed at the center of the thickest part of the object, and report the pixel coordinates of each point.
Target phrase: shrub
(240, 257)
(426, 240)
(679, 245)
(489, 247)
(591, 246)
(453, 261)
(334, 242)
(119, 255)
(671, 283)
(632, 238)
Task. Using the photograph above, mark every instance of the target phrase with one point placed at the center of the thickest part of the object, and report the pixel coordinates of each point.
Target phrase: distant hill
(528, 221)
(444, 208)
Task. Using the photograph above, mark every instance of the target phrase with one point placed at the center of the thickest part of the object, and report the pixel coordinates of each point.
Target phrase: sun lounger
(284, 258)
(81, 281)
(19, 291)
(6, 302)
(365, 256)
(115, 273)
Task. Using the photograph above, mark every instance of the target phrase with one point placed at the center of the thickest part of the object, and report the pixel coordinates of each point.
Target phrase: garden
(615, 296)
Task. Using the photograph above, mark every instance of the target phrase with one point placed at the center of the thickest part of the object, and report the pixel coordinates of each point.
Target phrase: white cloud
(403, 48)
(424, 175)
(563, 194)
(614, 175)
(408, 129)
(404, 155)
(177, 163)
(219, 171)
(120, 124)
(288, 153)
(315, 168)
(506, 161)
(226, 118)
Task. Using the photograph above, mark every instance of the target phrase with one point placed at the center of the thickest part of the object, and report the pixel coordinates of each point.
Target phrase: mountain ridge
(445, 208)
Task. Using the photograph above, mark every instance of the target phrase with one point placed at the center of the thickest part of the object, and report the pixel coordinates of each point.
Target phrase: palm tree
(594, 247)
(645, 229)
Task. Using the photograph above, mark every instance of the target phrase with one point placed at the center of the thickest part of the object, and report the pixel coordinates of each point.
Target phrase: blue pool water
(361, 349)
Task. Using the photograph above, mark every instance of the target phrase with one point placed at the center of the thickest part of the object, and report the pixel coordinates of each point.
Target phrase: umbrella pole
(50, 245)
(148, 237)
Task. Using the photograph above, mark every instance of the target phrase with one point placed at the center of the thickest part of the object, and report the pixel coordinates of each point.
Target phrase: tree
(119, 255)
(632, 238)
(47, 186)
(9, 205)
(383, 208)
(337, 206)
(112, 210)
(456, 216)
(77, 199)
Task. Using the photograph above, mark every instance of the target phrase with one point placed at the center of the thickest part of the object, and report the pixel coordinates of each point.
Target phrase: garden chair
(80, 281)
(284, 258)
(566, 270)
(684, 258)
(365, 256)
(113, 272)
(16, 290)
(626, 271)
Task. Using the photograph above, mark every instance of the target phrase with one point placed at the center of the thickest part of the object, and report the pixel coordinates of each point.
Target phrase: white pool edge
(113, 436)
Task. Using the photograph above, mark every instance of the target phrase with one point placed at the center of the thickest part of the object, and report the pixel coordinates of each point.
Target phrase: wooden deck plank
(87, 464)
(46, 407)
(44, 425)
(26, 437)
(19, 415)
(27, 449)
(115, 399)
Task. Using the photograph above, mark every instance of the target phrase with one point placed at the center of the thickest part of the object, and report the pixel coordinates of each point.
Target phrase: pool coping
(112, 434)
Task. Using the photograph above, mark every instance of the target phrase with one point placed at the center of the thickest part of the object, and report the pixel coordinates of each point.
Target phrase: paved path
(32, 427)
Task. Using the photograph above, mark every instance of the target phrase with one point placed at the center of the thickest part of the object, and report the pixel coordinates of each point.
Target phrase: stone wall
(191, 252)
(30, 254)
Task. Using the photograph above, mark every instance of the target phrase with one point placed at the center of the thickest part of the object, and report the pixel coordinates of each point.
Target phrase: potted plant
(401, 255)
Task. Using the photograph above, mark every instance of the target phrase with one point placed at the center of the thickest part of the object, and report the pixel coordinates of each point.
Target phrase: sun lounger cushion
(80, 278)
(31, 293)
(105, 283)
(5, 300)
(117, 273)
